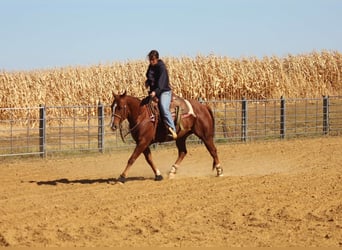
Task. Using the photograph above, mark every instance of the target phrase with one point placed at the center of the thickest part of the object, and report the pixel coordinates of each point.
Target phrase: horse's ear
(113, 94)
(124, 93)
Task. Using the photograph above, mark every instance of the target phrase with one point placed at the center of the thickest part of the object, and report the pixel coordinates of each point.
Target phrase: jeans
(164, 101)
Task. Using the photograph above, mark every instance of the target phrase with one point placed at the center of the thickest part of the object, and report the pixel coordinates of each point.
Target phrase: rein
(132, 129)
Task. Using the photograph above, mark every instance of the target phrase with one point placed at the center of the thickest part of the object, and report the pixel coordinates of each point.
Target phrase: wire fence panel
(71, 129)
(228, 121)
(304, 117)
(249, 120)
(77, 131)
(19, 136)
(335, 115)
(264, 120)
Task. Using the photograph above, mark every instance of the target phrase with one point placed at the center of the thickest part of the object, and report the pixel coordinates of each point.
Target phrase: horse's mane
(133, 97)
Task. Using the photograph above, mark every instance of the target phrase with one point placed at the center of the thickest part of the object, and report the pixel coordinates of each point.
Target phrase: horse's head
(119, 110)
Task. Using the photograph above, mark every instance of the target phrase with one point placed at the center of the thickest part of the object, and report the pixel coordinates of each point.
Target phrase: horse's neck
(135, 110)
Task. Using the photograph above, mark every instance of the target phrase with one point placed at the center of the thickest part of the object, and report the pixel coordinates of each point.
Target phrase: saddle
(179, 107)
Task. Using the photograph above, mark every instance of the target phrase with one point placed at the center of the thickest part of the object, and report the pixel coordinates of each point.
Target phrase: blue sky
(37, 34)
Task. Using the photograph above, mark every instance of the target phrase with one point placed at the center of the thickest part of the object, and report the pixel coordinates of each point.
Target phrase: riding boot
(172, 133)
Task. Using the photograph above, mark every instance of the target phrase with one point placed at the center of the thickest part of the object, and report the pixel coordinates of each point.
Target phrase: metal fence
(63, 130)
(248, 120)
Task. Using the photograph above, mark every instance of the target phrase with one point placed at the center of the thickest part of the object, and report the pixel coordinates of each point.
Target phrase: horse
(146, 128)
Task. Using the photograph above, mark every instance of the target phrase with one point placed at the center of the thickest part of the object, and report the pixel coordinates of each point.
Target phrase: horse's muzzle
(114, 127)
(112, 124)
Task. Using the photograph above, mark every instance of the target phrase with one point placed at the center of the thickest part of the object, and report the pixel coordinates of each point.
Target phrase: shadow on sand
(86, 181)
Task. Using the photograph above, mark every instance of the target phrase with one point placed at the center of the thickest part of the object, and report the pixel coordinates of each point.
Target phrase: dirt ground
(273, 194)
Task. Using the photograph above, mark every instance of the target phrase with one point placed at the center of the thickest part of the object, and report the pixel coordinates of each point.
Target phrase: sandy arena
(273, 194)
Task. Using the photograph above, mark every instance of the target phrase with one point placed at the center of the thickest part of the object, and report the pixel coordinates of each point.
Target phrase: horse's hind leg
(182, 151)
(209, 144)
(148, 158)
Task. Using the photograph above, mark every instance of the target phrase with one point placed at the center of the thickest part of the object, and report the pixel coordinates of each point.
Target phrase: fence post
(100, 134)
(244, 115)
(42, 130)
(325, 115)
(282, 118)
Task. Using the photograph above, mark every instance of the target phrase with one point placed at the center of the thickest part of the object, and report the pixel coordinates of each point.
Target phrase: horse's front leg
(148, 158)
(137, 151)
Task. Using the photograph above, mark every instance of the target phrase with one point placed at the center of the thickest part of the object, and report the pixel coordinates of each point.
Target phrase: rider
(159, 86)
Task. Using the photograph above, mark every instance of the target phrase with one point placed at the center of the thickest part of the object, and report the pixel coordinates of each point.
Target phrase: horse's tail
(212, 118)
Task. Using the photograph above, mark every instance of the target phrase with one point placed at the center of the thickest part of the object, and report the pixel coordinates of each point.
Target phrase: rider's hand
(153, 94)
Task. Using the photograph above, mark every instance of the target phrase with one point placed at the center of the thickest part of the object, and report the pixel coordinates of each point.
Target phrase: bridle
(117, 115)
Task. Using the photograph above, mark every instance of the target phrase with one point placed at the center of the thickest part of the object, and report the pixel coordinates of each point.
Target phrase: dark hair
(152, 54)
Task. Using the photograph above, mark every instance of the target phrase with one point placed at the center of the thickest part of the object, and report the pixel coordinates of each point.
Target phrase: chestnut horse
(146, 131)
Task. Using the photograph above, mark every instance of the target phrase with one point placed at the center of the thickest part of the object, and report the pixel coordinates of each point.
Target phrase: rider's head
(153, 57)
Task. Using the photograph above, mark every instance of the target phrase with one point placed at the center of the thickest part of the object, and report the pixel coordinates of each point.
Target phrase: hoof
(158, 178)
(121, 179)
(219, 172)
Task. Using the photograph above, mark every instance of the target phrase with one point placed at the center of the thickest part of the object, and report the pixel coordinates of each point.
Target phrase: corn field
(206, 77)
